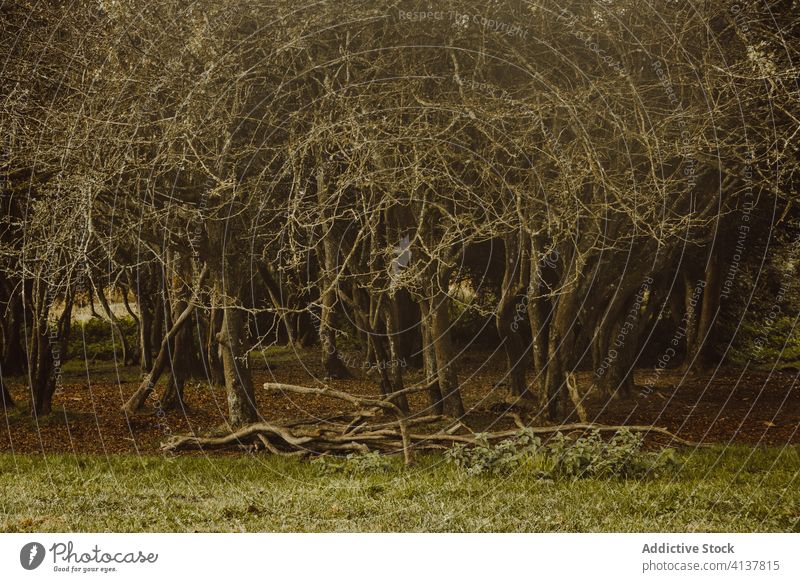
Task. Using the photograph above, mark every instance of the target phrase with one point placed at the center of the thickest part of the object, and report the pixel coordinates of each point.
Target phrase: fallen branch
(241, 436)
(325, 439)
(361, 402)
(352, 431)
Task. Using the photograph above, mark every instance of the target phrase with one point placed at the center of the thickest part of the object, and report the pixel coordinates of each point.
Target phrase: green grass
(733, 489)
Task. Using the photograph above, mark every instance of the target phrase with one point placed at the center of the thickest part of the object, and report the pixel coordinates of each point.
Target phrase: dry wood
(326, 436)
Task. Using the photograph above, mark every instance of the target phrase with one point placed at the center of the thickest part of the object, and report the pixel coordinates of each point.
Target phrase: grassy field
(732, 489)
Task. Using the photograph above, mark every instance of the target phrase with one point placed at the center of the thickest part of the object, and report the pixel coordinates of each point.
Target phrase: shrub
(485, 458)
(622, 456)
(98, 338)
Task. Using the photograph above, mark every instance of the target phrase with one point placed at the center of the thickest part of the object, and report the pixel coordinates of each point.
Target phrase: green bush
(767, 343)
(97, 336)
(622, 457)
(503, 457)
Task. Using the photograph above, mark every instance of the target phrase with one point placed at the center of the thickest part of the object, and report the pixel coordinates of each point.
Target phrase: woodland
(397, 226)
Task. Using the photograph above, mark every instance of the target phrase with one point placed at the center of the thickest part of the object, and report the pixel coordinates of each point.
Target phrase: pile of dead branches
(358, 431)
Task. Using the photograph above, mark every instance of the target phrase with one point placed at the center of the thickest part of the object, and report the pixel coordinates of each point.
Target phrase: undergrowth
(622, 456)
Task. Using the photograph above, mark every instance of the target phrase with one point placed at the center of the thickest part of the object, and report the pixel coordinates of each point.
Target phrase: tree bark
(216, 370)
(15, 361)
(443, 347)
(689, 322)
(560, 350)
(396, 360)
(42, 383)
(238, 380)
(148, 383)
(326, 254)
(507, 318)
(115, 326)
(702, 352)
(429, 361)
(539, 320)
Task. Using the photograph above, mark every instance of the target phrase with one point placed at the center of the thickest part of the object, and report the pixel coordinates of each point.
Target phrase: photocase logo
(31, 555)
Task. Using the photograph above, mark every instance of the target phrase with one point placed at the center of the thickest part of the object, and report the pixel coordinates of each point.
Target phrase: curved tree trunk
(115, 326)
(148, 383)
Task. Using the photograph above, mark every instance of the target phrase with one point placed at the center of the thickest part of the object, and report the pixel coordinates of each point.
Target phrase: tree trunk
(115, 326)
(429, 361)
(617, 378)
(136, 355)
(444, 349)
(145, 335)
(689, 322)
(216, 370)
(396, 361)
(238, 380)
(560, 352)
(508, 320)
(326, 255)
(41, 378)
(173, 394)
(407, 315)
(539, 320)
(331, 362)
(8, 401)
(148, 383)
(182, 344)
(702, 354)
(143, 291)
(15, 361)
(614, 342)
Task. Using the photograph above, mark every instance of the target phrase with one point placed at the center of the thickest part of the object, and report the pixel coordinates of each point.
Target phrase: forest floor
(720, 489)
(87, 467)
(730, 406)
